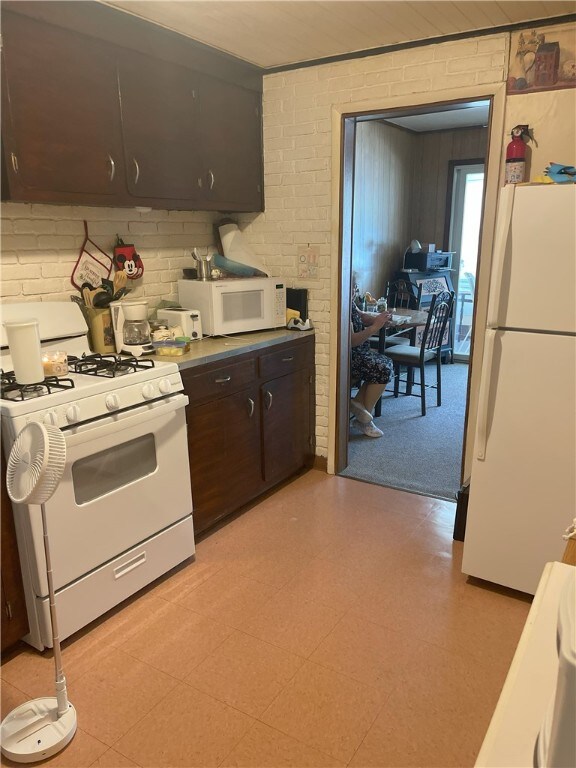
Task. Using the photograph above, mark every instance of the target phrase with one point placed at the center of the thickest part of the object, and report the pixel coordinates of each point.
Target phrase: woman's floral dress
(367, 364)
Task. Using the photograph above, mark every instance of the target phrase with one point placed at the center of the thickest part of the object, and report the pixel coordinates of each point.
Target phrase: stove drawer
(99, 591)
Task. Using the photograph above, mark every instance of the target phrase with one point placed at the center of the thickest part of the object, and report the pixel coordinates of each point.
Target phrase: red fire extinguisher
(516, 155)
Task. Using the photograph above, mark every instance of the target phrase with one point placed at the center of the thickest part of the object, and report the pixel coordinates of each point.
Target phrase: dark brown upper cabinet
(60, 116)
(90, 122)
(231, 143)
(159, 105)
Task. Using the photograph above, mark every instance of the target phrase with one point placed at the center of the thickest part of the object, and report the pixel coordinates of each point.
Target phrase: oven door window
(107, 471)
(242, 305)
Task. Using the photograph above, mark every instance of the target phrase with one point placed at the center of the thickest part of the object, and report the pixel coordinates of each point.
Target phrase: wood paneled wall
(382, 202)
(400, 189)
(433, 152)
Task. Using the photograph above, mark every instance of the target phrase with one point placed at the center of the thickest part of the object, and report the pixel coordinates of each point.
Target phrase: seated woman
(373, 369)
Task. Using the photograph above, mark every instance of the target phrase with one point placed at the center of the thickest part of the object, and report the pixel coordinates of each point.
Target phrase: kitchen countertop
(212, 348)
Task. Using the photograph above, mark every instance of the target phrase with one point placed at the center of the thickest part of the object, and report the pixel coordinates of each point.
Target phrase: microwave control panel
(280, 305)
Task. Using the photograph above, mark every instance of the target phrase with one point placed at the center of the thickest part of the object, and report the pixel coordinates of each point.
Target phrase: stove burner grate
(10, 389)
(108, 365)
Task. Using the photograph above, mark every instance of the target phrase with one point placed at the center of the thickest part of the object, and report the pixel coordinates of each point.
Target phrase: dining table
(403, 319)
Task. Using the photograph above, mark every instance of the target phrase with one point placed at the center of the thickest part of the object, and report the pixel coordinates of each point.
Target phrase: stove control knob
(73, 414)
(148, 392)
(51, 418)
(112, 402)
(165, 386)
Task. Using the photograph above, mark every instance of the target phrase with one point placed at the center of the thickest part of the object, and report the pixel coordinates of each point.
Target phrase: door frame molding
(342, 177)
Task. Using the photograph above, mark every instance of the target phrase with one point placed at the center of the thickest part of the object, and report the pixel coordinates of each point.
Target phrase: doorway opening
(410, 178)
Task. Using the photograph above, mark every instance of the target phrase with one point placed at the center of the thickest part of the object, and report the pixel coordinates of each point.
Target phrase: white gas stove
(96, 385)
(122, 513)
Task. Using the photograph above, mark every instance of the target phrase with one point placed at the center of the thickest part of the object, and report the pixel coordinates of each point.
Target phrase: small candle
(55, 364)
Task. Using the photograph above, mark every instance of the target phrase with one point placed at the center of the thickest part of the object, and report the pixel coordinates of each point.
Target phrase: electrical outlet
(308, 261)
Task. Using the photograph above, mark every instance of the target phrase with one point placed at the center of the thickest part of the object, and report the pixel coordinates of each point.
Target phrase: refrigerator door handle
(484, 395)
(505, 207)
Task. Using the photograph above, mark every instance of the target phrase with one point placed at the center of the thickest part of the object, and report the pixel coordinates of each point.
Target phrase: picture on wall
(542, 60)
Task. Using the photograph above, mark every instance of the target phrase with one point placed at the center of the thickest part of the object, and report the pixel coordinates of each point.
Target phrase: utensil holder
(101, 336)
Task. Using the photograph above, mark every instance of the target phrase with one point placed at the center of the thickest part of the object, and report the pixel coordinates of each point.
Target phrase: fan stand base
(33, 731)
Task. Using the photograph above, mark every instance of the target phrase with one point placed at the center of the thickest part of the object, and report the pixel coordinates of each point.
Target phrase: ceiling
(279, 33)
(465, 115)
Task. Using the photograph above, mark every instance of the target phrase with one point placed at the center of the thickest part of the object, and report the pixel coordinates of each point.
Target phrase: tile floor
(329, 625)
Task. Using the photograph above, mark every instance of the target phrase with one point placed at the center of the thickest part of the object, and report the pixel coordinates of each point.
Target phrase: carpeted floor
(417, 453)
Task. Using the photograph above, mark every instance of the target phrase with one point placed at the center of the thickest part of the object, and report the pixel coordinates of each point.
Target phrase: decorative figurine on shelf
(126, 259)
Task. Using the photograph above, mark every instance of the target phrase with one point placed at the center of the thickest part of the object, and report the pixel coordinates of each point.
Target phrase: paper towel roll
(237, 249)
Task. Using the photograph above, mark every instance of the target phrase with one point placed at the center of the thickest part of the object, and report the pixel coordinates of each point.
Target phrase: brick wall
(40, 245)
(298, 157)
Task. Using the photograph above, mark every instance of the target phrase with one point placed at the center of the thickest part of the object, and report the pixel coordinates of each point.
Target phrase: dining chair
(416, 357)
(448, 339)
(402, 294)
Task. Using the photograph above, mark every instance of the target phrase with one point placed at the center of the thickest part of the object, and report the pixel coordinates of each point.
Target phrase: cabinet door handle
(268, 396)
(14, 162)
(112, 167)
(250, 407)
(223, 380)
(211, 178)
(137, 167)
(200, 181)
(288, 359)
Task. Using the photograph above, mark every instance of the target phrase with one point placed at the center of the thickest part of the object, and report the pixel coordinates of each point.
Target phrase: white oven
(121, 515)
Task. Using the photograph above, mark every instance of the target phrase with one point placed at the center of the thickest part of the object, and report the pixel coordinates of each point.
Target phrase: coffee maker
(131, 327)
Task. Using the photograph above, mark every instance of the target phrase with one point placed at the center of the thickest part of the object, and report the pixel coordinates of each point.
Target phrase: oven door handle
(124, 420)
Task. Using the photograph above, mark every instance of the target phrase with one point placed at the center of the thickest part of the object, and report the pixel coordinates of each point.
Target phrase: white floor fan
(42, 727)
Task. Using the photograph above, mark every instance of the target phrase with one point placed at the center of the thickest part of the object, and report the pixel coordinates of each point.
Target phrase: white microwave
(236, 305)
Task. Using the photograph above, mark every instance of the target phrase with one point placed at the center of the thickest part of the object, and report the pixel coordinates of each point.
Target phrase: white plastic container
(24, 342)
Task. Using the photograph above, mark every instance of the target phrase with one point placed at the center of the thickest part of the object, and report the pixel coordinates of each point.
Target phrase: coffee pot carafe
(131, 327)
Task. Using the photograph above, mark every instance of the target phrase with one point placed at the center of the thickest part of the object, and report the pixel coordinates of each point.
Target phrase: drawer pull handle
(268, 400)
(125, 568)
(112, 167)
(288, 359)
(250, 407)
(223, 380)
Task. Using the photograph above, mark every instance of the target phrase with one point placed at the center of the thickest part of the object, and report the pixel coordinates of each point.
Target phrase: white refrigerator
(523, 477)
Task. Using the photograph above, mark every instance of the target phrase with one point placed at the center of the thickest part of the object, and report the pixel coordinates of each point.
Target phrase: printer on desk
(424, 262)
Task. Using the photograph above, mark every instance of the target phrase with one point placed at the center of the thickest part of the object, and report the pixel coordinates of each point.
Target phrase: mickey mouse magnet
(126, 259)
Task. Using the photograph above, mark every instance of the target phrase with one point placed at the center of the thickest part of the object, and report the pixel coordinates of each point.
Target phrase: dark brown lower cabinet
(250, 426)
(14, 620)
(224, 450)
(285, 420)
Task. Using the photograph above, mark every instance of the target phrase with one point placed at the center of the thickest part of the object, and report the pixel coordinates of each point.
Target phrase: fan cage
(36, 463)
